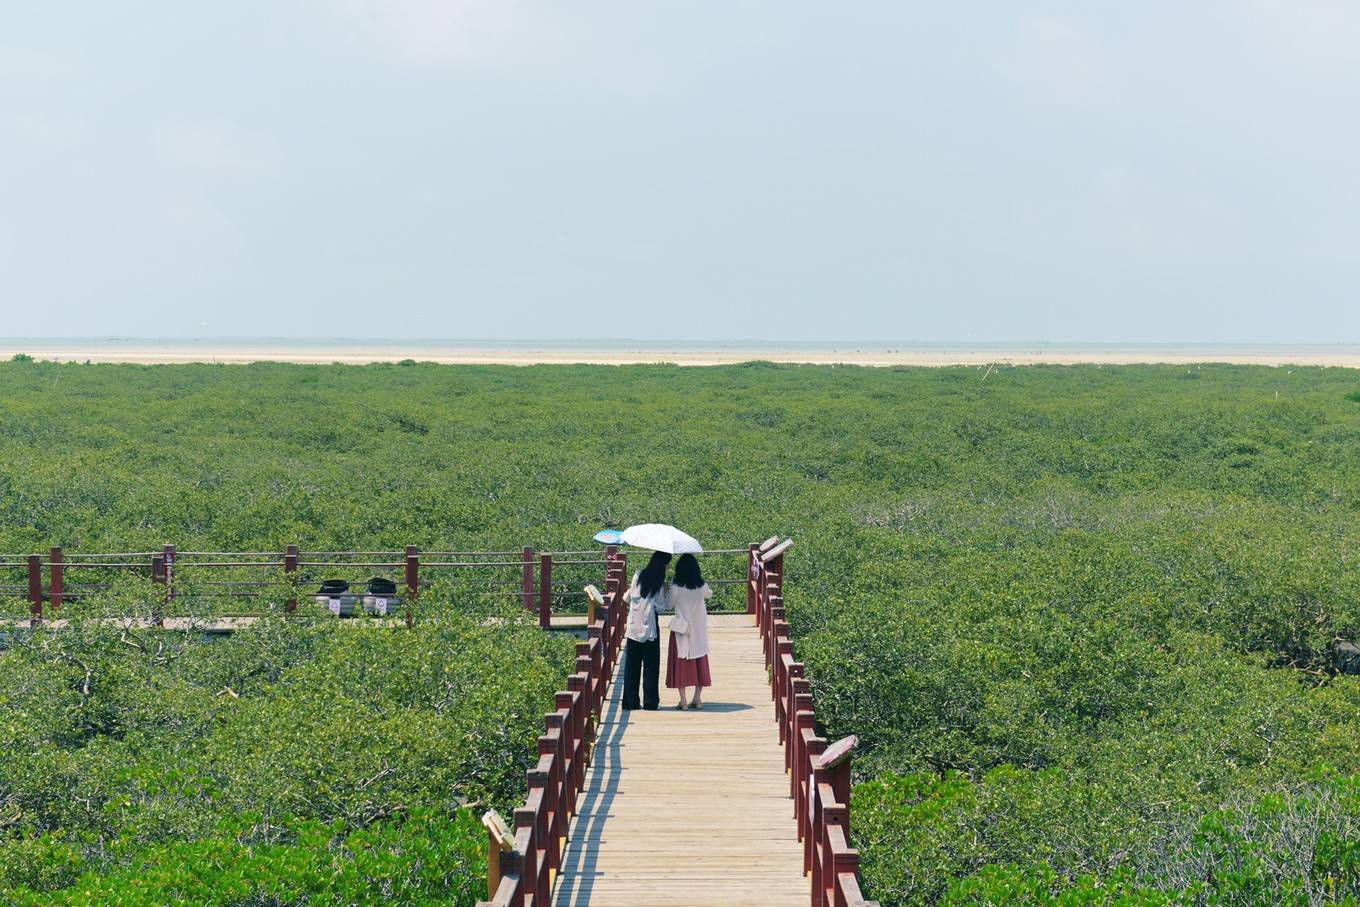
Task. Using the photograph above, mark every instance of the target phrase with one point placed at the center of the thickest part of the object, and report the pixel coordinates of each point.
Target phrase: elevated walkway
(689, 808)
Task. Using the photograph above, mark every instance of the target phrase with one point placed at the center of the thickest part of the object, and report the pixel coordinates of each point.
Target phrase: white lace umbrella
(660, 537)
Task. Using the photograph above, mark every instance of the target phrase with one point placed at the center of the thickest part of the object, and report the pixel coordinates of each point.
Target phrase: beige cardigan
(689, 604)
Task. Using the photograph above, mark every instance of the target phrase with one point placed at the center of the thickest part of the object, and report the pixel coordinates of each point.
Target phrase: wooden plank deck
(689, 808)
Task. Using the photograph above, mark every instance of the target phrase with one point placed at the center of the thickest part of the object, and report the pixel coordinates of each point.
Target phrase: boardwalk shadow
(596, 803)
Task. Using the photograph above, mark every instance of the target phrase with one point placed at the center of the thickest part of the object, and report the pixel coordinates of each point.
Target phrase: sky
(1117, 172)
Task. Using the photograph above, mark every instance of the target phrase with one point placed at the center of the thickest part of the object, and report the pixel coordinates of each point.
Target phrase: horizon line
(663, 342)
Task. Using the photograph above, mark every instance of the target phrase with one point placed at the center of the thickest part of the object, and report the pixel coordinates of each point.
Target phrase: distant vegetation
(1085, 620)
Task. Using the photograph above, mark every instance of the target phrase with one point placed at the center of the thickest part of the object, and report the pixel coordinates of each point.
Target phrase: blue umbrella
(609, 537)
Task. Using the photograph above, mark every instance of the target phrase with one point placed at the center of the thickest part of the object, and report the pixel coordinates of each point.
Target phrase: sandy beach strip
(305, 352)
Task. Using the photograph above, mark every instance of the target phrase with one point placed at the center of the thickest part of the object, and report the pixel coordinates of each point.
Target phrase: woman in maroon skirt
(687, 661)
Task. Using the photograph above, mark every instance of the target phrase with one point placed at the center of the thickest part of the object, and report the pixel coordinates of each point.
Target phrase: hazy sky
(1121, 171)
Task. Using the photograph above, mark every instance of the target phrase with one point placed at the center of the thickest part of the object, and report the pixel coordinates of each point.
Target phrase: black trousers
(641, 661)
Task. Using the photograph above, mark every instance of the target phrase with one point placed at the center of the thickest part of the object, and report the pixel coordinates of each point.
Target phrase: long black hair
(687, 573)
(653, 576)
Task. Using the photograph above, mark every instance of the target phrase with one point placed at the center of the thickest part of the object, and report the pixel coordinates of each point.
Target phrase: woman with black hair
(687, 660)
(642, 653)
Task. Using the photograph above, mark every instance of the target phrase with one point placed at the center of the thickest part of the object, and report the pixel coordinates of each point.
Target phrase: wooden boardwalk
(689, 808)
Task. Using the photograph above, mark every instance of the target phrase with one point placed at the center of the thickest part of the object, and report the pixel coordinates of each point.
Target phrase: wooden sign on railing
(500, 840)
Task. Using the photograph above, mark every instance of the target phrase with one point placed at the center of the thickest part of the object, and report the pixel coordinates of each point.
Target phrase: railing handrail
(537, 592)
(526, 870)
(511, 557)
(819, 774)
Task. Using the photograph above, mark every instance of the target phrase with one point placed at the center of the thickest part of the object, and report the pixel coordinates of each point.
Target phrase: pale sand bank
(689, 354)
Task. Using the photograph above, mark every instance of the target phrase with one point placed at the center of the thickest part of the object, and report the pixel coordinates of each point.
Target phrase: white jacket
(689, 604)
(642, 612)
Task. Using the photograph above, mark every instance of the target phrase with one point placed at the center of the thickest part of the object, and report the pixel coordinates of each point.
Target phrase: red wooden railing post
(611, 575)
(614, 574)
(527, 578)
(598, 681)
(545, 595)
(619, 613)
(774, 616)
(816, 853)
(526, 817)
(795, 684)
(832, 855)
(753, 587)
(554, 791)
(543, 821)
(290, 565)
(563, 800)
(812, 821)
(581, 729)
(782, 646)
(412, 582)
(572, 770)
(846, 861)
(602, 625)
(840, 784)
(512, 864)
(770, 595)
(412, 574)
(802, 719)
(56, 581)
(585, 670)
(35, 590)
(611, 613)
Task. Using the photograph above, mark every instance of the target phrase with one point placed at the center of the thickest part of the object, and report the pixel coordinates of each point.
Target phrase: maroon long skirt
(686, 672)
